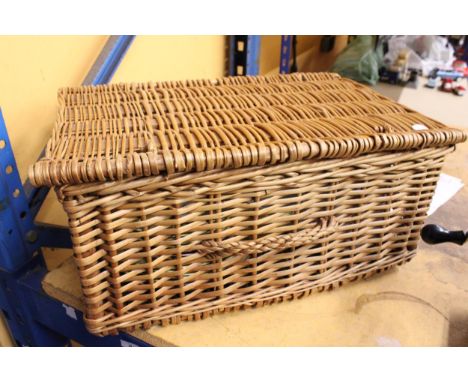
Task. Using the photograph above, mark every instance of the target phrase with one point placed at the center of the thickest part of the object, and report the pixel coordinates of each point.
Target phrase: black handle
(435, 234)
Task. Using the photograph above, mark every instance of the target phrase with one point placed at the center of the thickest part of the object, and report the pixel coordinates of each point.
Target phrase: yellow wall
(308, 52)
(31, 70)
(312, 60)
(5, 339)
(159, 58)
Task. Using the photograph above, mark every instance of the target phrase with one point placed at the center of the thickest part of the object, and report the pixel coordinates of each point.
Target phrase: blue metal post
(464, 56)
(50, 314)
(16, 307)
(253, 53)
(108, 60)
(232, 63)
(19, 237)
(285, 56)
(244, 55)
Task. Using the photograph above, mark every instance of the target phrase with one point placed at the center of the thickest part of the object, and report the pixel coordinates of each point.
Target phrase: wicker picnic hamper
(192, 198)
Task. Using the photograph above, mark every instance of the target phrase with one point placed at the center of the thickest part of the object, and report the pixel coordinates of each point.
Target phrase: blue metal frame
(285, 55)
(232, 63)
(53, 315)
(34, 318)
(244, 54)
(40, 320)
(108, 60)
(19, 238)
(253, 53)
(464, 56)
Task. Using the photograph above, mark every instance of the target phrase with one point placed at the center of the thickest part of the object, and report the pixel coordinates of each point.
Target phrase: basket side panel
(89, 246)
(139, 243)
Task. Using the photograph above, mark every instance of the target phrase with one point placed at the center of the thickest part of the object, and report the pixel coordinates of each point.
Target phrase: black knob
(435, 234)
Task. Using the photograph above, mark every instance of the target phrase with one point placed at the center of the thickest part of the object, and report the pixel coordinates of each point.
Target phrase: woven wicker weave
(191, 198)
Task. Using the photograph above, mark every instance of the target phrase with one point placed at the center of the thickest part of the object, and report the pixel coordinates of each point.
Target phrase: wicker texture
(113, 132)
(187, 199)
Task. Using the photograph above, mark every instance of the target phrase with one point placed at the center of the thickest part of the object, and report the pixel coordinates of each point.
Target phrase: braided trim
(307, 236)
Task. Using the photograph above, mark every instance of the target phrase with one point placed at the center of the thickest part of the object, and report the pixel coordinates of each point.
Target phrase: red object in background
(447, 85)
(461, 67)
(450, 86)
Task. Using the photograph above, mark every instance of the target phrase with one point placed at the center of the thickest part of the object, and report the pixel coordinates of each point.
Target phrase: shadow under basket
(191, 198)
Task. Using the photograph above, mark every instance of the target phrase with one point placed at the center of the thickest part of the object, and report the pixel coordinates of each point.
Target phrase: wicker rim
(115, 132)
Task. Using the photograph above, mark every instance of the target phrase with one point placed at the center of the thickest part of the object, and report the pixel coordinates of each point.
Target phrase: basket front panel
(140, 244)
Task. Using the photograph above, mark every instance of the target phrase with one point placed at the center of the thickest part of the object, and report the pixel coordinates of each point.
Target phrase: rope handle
(323, 228)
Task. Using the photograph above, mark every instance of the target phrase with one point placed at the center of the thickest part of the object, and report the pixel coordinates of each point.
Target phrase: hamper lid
(117, 131)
